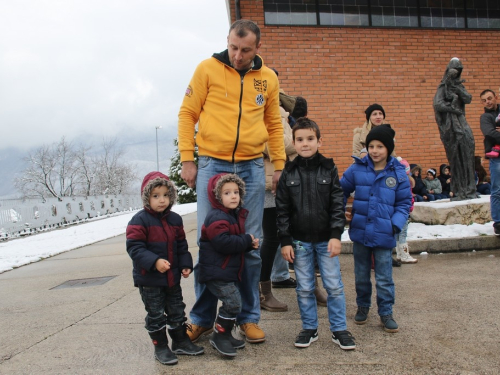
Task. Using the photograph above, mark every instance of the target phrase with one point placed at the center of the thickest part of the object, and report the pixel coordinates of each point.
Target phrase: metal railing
(20, 217)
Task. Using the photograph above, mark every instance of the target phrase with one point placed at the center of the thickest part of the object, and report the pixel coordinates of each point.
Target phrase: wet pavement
(447, 307)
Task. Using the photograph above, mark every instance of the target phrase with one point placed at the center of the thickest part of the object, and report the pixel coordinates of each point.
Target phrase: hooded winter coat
(223, 241)
(419, 187)
(443, 178)
(382, 201)
(152, 235)
(236, 114)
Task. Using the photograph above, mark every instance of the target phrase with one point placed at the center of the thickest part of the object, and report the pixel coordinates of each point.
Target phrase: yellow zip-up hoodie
(236, 115)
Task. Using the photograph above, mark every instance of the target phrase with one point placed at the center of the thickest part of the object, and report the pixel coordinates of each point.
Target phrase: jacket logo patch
(390, 182)
(259, 99)
(260, 86)
(189, 91)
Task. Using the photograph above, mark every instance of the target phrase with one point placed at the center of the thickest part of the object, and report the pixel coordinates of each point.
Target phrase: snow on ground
(18, 252)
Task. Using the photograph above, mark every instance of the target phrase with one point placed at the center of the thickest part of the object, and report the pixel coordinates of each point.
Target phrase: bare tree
(61, 171)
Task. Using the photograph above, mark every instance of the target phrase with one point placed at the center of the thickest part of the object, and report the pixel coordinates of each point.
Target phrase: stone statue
(456, 135)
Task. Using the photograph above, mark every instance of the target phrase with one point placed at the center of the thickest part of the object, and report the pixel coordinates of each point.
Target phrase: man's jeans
(159, 301)
(280, 267)
(495, 190)
(383, 277)
(228, 293)
(305, 252)
(252, 172)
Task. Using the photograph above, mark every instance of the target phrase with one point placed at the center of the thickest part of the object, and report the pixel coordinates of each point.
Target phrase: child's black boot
(221, 337)
(163, 354)
(181, 344)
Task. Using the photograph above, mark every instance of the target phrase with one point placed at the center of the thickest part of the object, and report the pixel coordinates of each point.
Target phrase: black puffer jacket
(309, 201)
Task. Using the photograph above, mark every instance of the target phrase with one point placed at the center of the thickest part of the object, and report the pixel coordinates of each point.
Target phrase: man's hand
(162, 265)
(276, 178)
(334, 247)
(186, 272)
(287, 253)
(188, 173)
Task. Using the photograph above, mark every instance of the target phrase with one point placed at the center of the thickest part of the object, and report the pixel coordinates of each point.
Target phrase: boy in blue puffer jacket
(381, 206)
(157, 244)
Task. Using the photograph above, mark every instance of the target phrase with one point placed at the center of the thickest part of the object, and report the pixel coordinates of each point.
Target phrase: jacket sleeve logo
(189, 91)
(260, 86)
(259, 99)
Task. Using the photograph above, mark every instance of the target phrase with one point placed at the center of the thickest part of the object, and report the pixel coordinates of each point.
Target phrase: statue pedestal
(444, 212)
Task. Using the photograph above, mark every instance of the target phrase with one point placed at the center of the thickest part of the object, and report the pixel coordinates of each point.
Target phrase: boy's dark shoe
(163, 354)
(389, 323)
(288, 283)
(496, 229)
(306, 337)
(361, 315)
(181, 343)
(344, 339)
(221, 337)
(396, 263)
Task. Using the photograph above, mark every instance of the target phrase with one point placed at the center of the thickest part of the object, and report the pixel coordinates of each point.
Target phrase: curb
(444, 245)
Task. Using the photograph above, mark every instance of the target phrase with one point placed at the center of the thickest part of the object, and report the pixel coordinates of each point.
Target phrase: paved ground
(447, 307)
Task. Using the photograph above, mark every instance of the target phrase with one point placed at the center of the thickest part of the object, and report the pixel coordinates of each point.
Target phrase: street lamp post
(157, 158)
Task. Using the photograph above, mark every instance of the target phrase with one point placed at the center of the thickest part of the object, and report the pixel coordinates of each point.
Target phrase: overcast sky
(70, 67)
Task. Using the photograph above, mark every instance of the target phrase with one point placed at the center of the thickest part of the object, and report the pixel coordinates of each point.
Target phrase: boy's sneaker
(306, 337)
(389, 323)
(344, 339)
(361, 315)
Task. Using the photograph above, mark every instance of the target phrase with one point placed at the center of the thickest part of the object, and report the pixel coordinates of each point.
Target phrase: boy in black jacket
(311, 219)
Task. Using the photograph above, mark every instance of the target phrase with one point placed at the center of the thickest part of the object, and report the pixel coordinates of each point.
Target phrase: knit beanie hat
(224, 179)
(432, 171)
(383, 133)
(373, 107)
(405, 164)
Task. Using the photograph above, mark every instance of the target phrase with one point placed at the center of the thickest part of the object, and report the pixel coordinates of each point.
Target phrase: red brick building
(341, 56)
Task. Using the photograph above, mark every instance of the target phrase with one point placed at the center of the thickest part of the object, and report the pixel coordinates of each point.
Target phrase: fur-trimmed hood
(214, 189)
(153, 180)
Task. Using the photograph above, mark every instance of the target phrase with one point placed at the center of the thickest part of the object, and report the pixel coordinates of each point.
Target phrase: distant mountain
(140, 151)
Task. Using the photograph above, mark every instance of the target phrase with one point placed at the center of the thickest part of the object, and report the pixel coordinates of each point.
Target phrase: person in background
(491, 131)
(233, 99)
(380, 210)
(402, 247)
(419, 190)
(157, 244)
(483, 187)
(445, 179)
(433, 185)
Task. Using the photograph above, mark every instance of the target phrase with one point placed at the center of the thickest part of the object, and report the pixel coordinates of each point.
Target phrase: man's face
(489, 100)
(242, 50)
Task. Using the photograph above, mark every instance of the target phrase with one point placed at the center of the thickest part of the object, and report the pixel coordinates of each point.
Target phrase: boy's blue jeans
(383, 277)
(305, 253)
(204, 310)
(159, 301)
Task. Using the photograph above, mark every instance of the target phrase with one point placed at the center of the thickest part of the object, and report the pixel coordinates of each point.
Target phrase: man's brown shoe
(195, 332)
(252, 332)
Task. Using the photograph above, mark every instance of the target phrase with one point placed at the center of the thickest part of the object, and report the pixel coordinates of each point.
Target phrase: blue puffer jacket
(381, 201)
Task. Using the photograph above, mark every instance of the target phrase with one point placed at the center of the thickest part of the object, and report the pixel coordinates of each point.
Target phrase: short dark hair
(300, 109)
(306, 123)
(486, 91)
(242, 27)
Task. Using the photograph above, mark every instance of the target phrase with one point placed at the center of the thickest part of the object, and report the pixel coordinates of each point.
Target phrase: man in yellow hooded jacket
(234, 99)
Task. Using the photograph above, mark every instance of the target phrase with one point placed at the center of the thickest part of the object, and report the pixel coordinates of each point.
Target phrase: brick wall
(340, 71)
